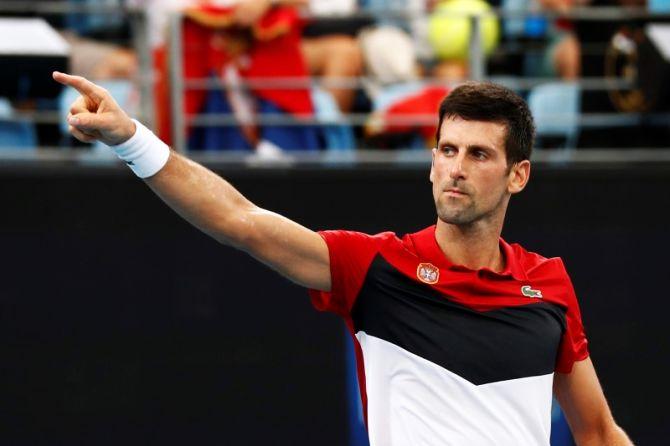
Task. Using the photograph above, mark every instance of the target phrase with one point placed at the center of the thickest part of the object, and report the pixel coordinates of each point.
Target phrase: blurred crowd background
(339, 99)
(310, 77)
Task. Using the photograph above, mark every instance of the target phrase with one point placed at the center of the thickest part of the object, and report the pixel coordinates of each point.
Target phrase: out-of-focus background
(121, 324)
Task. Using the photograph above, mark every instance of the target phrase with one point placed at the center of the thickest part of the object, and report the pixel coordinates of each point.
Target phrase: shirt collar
(427, 248)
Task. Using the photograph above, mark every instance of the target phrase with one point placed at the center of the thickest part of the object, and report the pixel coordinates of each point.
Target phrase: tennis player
(460, 337)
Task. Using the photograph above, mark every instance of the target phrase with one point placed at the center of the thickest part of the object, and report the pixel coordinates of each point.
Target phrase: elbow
(609, 434)
(237, 228)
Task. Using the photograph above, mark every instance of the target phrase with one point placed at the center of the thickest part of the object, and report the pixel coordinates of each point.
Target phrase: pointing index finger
(81, 84)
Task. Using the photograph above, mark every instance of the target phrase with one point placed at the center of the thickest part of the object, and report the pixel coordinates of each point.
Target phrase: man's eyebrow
(480, 147)
(445, 143)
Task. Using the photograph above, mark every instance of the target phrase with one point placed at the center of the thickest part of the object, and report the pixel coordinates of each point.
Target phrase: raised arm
(205, 199)
(583, 402)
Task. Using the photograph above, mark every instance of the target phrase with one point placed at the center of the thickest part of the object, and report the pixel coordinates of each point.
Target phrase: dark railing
(477, 68)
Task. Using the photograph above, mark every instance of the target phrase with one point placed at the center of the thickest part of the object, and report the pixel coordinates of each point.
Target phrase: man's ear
(432, 164)
(518, 176)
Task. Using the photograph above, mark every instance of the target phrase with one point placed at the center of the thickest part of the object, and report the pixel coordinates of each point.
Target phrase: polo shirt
(447, 355)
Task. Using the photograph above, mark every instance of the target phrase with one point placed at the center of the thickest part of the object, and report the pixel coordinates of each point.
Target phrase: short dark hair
(486, 101)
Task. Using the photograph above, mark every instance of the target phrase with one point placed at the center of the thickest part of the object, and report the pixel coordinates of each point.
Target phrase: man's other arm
(205, 199)
(584, 405)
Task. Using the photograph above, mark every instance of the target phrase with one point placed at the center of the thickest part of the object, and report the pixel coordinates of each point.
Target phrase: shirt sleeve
(351, 254)
(573, 346)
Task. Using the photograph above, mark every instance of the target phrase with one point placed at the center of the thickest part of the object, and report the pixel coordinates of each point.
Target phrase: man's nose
(456, 170)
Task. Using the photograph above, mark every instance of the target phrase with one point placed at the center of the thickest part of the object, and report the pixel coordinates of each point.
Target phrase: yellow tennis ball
(449, 28)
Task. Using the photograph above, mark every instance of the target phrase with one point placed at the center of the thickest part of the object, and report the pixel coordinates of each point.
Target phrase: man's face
(470, 176)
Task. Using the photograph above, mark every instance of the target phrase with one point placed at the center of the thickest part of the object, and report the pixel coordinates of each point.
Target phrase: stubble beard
(454, 214)
(464, 215)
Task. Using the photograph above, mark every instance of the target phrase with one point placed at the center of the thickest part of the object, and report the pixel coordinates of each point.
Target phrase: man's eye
(479, 154)
(448, 150)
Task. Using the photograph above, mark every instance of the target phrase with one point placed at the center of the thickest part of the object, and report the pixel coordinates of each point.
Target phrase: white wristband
(144, 152)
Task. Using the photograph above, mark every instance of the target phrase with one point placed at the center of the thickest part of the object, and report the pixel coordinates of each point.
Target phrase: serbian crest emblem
(427, 273)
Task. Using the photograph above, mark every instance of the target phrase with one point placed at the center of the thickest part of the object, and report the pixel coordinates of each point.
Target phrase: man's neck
(475, 246)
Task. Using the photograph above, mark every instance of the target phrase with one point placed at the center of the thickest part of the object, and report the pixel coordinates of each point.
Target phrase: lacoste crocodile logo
(527, 291)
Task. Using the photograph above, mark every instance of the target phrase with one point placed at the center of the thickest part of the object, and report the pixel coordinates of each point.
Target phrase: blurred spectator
(94, 38)
(251, 40)
(329, 52)
(563, 56)
(98, 60)
(405, 121)
(390, 57)
(330, 48)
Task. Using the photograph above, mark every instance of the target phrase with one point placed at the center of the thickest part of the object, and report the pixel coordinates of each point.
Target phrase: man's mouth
(455, 192)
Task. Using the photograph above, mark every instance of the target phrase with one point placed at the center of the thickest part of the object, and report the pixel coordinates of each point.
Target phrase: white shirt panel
(414, 402)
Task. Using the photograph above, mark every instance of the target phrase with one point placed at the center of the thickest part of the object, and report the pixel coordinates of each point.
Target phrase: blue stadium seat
(560, 431)
(15, 134)
(556, 107)
(337, 136)
(534, 25)
(658, 6)
(86, 24)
